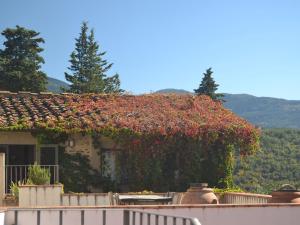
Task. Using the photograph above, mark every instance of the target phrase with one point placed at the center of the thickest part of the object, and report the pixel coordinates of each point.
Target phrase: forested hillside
(264, 111)
(277, 163)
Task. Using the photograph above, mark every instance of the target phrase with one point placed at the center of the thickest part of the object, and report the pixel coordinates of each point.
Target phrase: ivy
(161, 163)
(168, 141)
(49, 136)
(76, 173)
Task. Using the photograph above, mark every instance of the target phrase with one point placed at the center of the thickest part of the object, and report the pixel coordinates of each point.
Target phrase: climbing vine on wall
(169, 163)
(169, 140)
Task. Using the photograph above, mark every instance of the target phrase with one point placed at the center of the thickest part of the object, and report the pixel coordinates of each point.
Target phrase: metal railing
(16, 173)
(129, 217)
(134, 217)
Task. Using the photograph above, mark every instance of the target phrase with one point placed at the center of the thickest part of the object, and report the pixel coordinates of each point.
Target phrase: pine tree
(89, 68)
(208, 86)
(20, 62)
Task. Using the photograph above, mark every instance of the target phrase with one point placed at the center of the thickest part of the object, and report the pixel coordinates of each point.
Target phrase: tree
(89, 68)
(208, 86)
(20, 62)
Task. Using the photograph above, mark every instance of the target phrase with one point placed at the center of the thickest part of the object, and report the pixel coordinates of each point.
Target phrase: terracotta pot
(199, 193)
(286, 194)
(285, 197)
(296, 200)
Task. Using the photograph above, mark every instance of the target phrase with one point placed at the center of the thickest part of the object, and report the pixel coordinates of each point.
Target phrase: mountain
(55, 84)
(173, 90)
(265, 111)
(261, 111)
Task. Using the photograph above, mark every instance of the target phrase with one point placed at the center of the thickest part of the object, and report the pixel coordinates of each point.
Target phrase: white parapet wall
(87, 199)
(40, 195)
(265, 214)
(51, 195)
(243, 198)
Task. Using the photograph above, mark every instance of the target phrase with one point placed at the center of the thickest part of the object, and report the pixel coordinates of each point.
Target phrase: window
(114, 164)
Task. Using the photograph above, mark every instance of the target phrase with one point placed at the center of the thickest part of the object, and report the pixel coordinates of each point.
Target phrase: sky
(252, 46)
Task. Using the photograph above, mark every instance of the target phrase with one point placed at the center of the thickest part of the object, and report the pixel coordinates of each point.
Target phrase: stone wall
(83, 144)
(17, 138)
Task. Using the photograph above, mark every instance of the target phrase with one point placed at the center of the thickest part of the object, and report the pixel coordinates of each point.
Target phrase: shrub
(38, 175)
(222, 191)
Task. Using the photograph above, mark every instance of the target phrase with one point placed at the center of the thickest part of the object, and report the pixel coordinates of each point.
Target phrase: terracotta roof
(167, 113)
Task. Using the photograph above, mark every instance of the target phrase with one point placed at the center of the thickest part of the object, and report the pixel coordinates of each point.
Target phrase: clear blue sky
(253, 46)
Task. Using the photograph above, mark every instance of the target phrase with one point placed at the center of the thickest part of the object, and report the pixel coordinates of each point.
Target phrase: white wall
(2, 214)
(272, 214)
(40, 195)
(86, 199)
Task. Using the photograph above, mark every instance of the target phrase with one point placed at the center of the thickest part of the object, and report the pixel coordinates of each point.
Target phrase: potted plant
(12, 199)
(38, 191)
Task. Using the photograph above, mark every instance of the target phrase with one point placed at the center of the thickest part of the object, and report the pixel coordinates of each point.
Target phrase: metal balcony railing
(16, 173)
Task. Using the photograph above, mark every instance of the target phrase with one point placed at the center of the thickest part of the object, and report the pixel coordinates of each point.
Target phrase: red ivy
(167, 115)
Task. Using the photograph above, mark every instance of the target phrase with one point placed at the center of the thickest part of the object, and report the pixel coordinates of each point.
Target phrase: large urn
(286, 194)
(199, 193)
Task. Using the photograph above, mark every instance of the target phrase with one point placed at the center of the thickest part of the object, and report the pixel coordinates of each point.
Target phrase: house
(25, 118)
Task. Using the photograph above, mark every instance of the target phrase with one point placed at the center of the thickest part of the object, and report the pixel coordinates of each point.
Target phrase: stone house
(23, 116)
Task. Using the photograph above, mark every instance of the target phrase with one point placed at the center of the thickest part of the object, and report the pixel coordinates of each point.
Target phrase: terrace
(47, 205)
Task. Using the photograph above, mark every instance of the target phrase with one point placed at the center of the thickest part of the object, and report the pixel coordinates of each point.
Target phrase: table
(143, 200)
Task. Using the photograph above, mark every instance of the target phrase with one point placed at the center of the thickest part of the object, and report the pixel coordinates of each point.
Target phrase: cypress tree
(20, 61)
(89, 68)
(208, 86)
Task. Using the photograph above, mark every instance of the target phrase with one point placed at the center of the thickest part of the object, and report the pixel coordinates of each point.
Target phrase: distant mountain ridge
(265, 111)
(262, 111)
(173, 90)
(54, 85)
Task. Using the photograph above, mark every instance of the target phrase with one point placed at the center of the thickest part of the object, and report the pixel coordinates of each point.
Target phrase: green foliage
(89, 68)
(14, 189)
(20, 61)
(208, 86)
(277, 162)
(76, 173)
(49, 136)
(163, 163)
(222, 191)
(38, 175)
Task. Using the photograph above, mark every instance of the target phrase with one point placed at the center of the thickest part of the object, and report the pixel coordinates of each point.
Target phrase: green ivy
(76, 173)
(151, 161)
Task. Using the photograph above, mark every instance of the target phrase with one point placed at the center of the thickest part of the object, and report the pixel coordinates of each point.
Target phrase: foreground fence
(266, 214)
(134, 217)
(92, 216)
